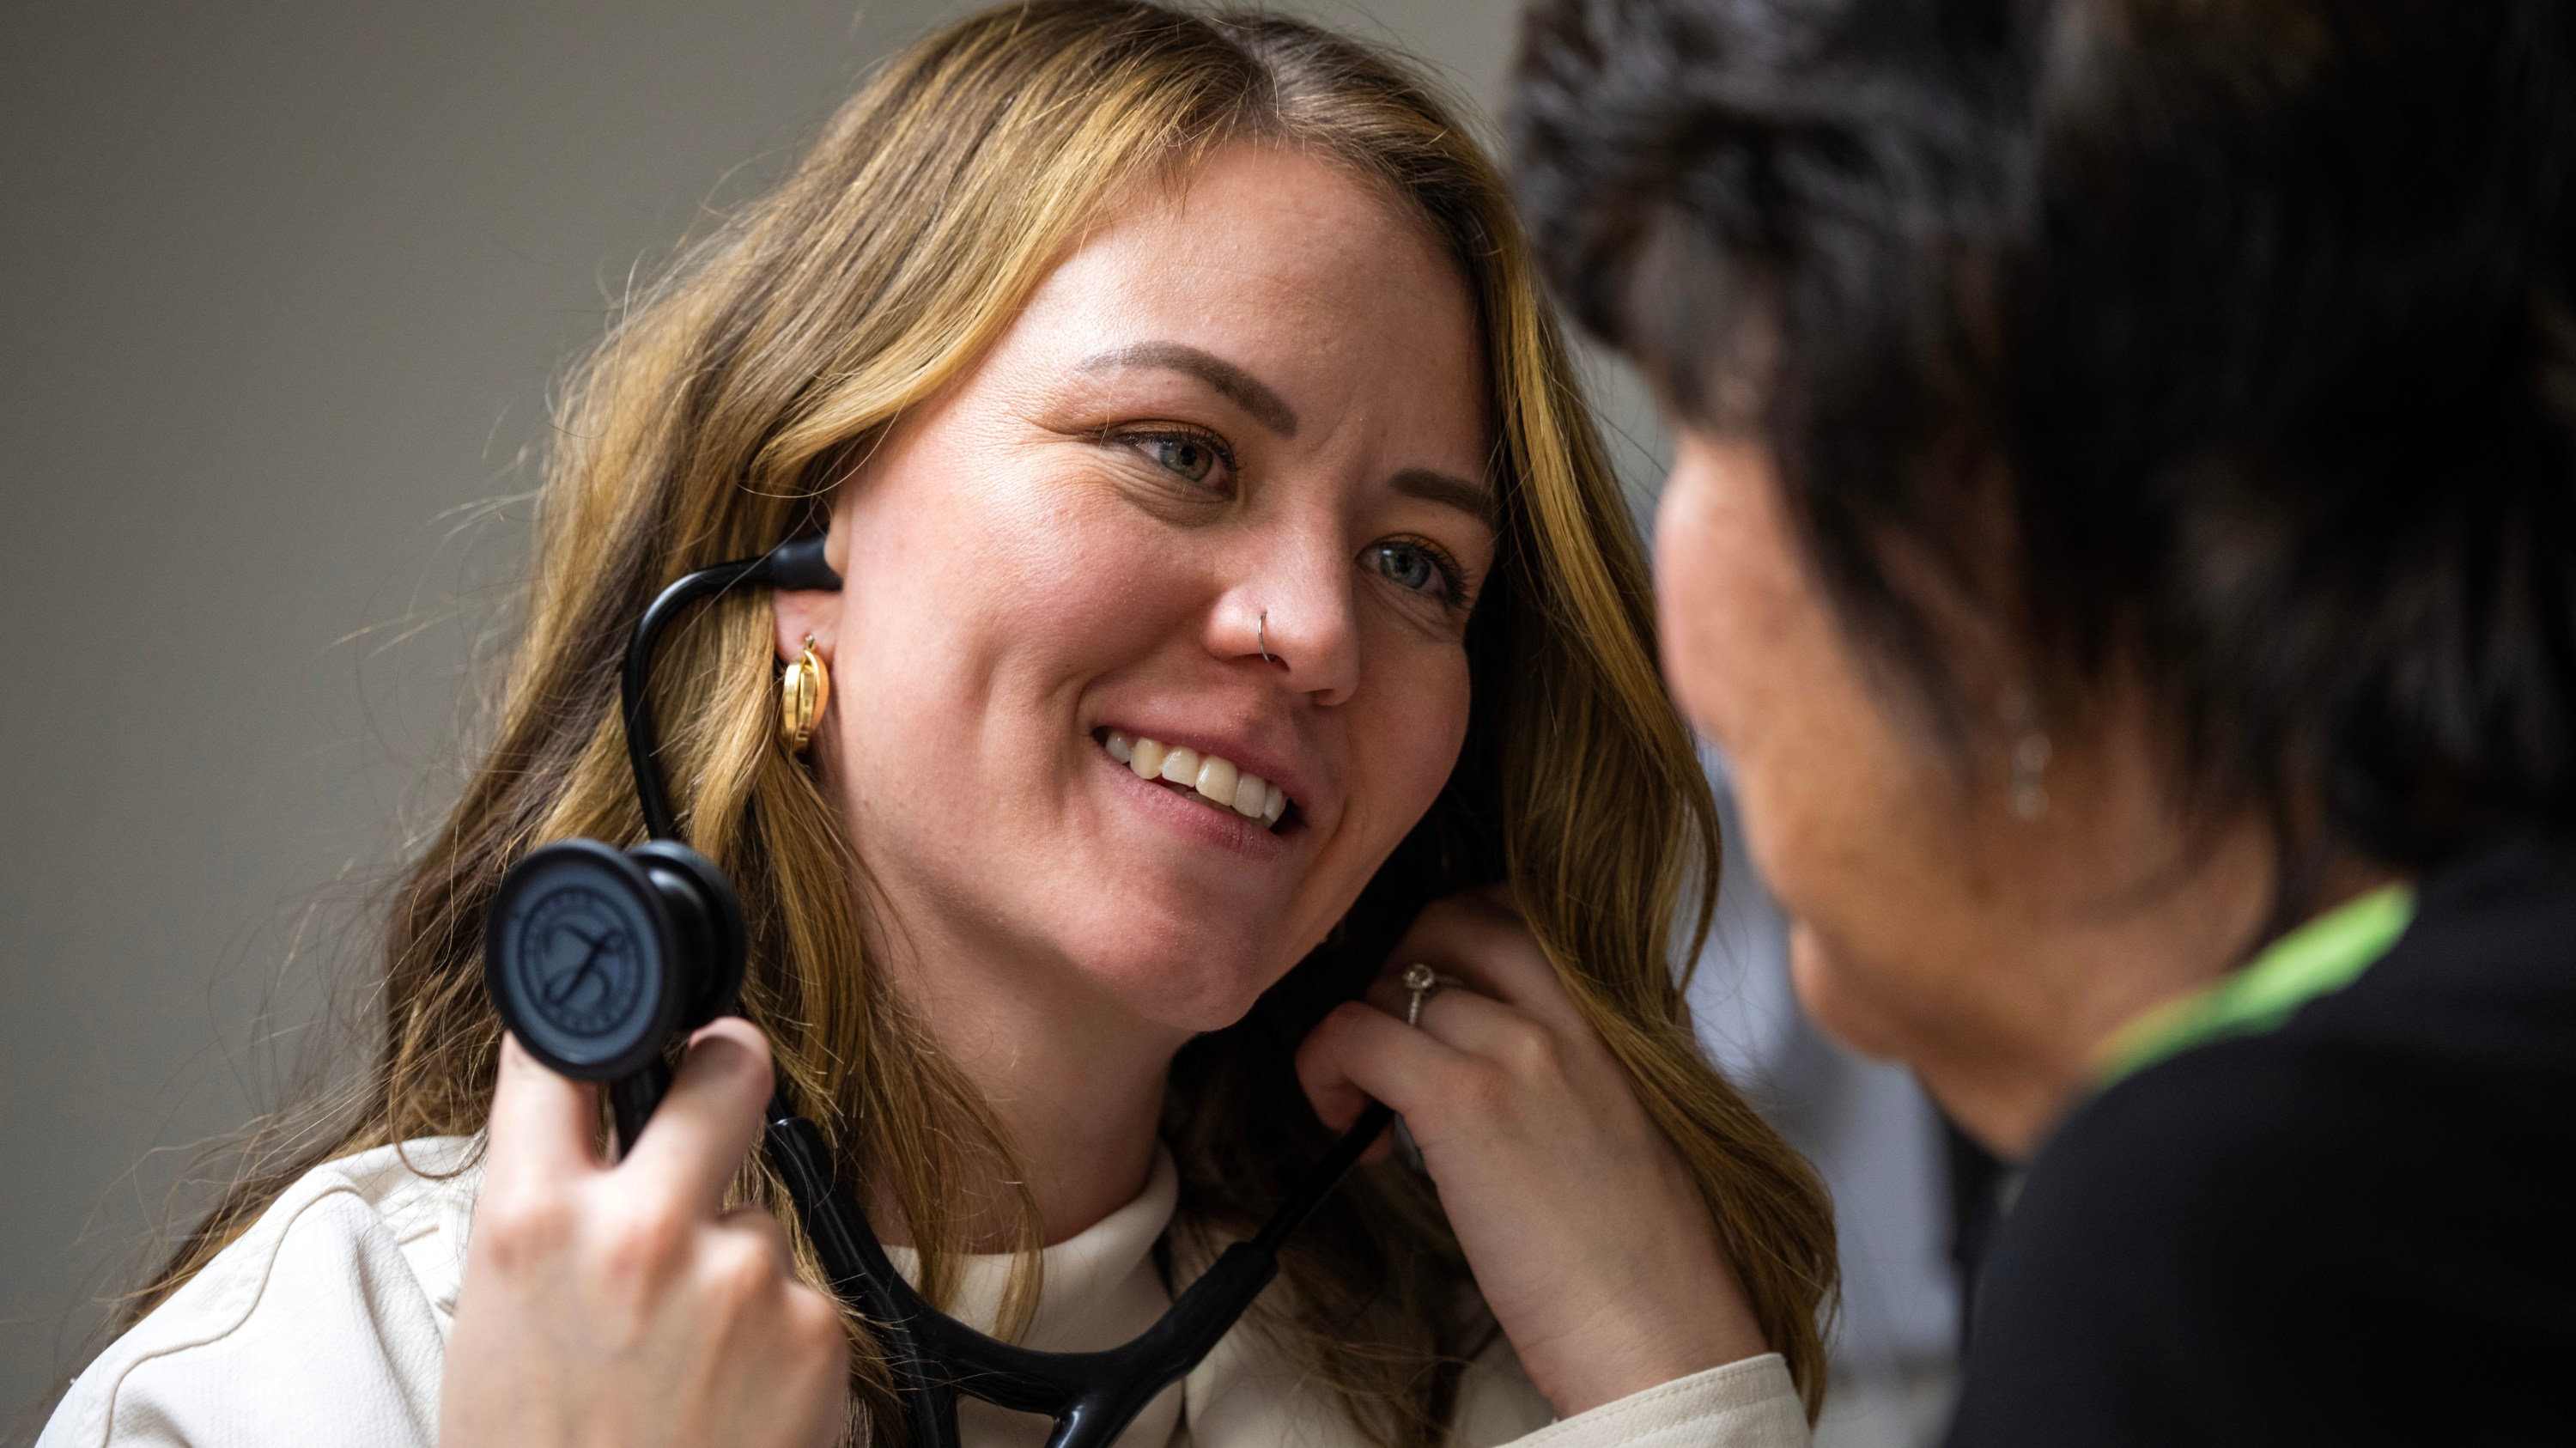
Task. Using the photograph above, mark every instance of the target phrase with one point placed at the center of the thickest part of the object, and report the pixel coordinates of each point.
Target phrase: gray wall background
(283, 284)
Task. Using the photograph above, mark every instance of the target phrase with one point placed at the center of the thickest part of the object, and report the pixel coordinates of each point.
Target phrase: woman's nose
(1295, 615)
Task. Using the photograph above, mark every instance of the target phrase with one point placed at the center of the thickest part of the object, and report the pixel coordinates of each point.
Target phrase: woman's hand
(623, 1305)
(1586, 1233)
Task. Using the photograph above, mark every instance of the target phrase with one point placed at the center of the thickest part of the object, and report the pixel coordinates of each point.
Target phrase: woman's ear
(815, 613)
(804, 613)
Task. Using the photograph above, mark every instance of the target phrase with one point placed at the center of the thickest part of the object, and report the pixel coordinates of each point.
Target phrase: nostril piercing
(1261, 633)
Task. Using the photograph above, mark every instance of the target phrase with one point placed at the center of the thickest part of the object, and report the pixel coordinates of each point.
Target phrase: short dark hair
(2226, 349)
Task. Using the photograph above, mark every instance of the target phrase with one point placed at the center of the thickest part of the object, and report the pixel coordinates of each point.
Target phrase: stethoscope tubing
(1090, 1396)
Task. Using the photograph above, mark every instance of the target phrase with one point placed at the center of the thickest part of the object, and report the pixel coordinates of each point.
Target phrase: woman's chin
(1187, 976)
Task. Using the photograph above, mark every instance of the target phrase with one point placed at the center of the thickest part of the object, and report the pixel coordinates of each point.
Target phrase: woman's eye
(1189, 467)
(1186, 456)
(1408, 566)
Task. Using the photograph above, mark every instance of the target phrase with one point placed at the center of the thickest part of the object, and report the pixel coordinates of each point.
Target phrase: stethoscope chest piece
(596, 958)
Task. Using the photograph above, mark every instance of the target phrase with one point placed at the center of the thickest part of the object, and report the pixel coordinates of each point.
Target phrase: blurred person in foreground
(2123, 534)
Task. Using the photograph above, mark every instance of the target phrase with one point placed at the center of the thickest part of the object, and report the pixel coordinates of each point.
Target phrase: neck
(1075, 1081)
(2118, 969)
(2122, 949)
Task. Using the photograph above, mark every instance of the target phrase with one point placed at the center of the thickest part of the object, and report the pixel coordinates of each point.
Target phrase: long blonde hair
(715, 420)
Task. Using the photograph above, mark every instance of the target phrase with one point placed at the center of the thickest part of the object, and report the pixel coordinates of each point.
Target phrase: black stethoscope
(598, 958)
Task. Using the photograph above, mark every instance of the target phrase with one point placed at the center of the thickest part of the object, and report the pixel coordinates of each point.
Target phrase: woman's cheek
(1401, 759)
(1433, 736)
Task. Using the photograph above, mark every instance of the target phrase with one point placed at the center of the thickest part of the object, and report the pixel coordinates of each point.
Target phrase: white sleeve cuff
(1748, 1404)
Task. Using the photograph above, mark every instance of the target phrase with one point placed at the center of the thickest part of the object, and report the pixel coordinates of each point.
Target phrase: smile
(1210, 779)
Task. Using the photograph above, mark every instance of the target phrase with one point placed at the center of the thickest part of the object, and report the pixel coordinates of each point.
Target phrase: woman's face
(1258, 394)
(1929, 922)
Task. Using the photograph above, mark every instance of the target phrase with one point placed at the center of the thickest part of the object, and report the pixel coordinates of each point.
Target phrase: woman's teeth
(1214, 780)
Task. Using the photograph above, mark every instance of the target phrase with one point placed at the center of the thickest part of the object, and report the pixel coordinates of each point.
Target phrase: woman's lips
(1211, 779)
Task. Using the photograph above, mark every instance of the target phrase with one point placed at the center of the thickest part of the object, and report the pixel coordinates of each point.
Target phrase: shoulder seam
(268, 1267)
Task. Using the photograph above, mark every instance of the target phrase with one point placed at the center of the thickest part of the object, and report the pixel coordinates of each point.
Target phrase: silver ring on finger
(1422, 982)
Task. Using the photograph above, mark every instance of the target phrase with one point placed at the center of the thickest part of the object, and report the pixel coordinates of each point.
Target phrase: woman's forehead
(1286, 268)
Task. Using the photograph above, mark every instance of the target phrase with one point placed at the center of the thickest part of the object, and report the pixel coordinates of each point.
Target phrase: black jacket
(2358, 1228)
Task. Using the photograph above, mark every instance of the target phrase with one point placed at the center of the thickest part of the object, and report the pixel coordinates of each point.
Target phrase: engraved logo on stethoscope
(578, 963)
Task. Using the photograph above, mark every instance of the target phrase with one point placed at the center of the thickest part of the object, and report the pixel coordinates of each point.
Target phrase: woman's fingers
(1587, 1233)
(625, 1305)
(696, 1142)
(544, 1127)
(1479, 939)
(1466, 1067)
(1476, 1026)
(1359, 1054)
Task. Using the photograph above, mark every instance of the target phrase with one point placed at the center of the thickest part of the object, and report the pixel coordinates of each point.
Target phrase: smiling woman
(1238, 609)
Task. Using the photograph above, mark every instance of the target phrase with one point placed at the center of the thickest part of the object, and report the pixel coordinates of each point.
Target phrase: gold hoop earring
(804, 687)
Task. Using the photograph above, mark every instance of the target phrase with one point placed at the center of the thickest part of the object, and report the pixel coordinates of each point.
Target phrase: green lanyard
(2320, 957)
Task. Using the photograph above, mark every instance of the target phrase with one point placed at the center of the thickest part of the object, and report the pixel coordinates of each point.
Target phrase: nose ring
(1261, 633)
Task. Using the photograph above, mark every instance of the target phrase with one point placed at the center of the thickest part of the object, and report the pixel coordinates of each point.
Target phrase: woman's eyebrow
(1476, 500)
(1267, 407)
(1248, 392)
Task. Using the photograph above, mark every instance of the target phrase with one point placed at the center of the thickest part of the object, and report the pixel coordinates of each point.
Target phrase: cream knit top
(326, 1323)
